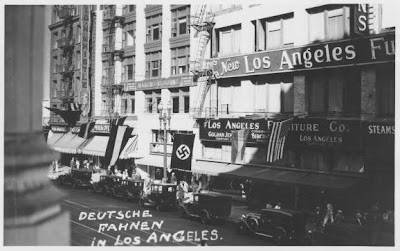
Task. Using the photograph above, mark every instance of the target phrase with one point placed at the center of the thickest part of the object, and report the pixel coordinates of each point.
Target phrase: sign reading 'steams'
(221, 129)
(372, 49)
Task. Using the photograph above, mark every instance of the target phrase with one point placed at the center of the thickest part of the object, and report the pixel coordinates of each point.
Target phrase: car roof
(288, 212)
(214, 195)
(164, 184)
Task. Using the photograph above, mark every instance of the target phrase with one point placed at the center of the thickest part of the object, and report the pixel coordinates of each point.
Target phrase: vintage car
(208, 207)
(77, 178)
(128, 189)
(284, 227)
(105, 184)
(161, 195)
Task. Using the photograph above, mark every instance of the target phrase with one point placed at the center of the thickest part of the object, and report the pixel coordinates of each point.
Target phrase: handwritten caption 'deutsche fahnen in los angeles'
(138, 221)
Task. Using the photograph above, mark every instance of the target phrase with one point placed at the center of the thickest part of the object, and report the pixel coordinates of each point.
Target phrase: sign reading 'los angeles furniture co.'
(220, 129)
(372, 49)
(323, 132)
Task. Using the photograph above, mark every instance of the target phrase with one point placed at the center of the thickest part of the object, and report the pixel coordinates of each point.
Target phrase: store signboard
(360, 19)
(62, 129)
(220, 129)
(373, 49)
(101, 128)
(161, 83)
(75, 129)
(322, 132)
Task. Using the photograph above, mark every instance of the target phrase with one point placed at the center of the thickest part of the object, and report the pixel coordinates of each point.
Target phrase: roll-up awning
(130, 151)
(97, 146)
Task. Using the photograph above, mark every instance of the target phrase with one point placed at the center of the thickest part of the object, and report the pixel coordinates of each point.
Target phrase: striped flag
(239, 141)
(277, 139)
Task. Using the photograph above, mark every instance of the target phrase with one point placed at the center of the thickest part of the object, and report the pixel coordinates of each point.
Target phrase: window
(335, 92)
(132, 105)
(124, 108)
(55, 62)
(78, 60)
(153, 28)
(54, 41)
(128, 8)
(385, 90)
(129, 70)
(280, 32)
(329, 23)
(153, 64)
(229, 40)
(179, 24)
(128, 39)
(153, 98)
(180, 100)
(180, 60)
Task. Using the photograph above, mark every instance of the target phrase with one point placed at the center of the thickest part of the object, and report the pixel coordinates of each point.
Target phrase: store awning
(62, 144)
(276, 175)
(153, 160)
(74, 144)
(97, 146)
(130, 150)
(53, 138)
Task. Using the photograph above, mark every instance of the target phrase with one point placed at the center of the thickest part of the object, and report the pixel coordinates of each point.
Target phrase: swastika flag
(182, 151)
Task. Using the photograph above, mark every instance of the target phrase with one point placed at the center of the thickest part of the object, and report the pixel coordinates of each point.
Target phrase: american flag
(277, 139)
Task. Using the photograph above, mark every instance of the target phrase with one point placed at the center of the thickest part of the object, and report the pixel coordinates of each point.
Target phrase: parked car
(128, 189)
(207, 207)
(77, 178)
(106, 183)
(161, 196)
(283, 226)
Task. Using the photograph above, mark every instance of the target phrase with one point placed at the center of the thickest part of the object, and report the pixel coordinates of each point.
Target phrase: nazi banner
(182, 151)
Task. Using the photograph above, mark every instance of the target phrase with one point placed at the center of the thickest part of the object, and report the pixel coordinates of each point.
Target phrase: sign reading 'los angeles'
(353, 51)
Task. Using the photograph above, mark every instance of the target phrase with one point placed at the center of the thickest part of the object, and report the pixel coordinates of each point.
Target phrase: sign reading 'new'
(346, 52)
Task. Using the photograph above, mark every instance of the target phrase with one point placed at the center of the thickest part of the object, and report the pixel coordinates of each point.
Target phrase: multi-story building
(328, 68)
(70, 74)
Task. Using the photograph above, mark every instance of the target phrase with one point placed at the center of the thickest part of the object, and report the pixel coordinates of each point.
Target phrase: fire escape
(111, 84)
(66, 44)
(203, 23)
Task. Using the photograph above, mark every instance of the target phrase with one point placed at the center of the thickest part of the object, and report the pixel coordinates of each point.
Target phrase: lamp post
(165, 116)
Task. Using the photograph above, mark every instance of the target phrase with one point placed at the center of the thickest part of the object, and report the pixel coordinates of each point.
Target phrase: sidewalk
(61, 170)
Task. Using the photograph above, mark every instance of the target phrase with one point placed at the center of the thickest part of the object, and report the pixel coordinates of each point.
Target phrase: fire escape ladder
(200, 67)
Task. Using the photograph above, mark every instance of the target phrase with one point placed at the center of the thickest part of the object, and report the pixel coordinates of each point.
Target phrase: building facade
(327, 68)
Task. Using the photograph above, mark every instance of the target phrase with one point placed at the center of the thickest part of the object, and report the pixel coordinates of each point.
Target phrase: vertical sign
(85, 24)
(360, 19)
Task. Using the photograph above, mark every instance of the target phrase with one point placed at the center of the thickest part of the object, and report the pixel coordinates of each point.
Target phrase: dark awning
(278, 175)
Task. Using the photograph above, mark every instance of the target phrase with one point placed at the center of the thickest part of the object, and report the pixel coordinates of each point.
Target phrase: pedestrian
(77, 163)
(359, 219)
(194, 185)
(339, 216)
(268, 205)
(125, 174)
(278, 206)
(328, 214)
(184, 185)
(173, 179)
(72, 163)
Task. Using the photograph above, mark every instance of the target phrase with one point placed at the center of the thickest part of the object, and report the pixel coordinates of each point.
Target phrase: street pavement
(164, 228)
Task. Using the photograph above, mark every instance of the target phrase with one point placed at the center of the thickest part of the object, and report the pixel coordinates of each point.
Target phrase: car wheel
(279, 237)
(204, 218)
(242, 228)
(141, 203)
(253, 223)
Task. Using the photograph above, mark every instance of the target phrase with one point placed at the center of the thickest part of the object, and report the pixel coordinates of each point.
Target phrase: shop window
(180, 21)
(331, 22)
(335, 92)
(128, 39)
(180, 60)
(228, 40)
(157, 144)
(385, 90)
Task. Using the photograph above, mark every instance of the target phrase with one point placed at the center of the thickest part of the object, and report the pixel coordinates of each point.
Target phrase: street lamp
(165, 116)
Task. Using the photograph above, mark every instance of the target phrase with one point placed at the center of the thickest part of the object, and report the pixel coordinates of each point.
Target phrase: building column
(368, 93)
(300, 95)
(98, 62)
(32, 213)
